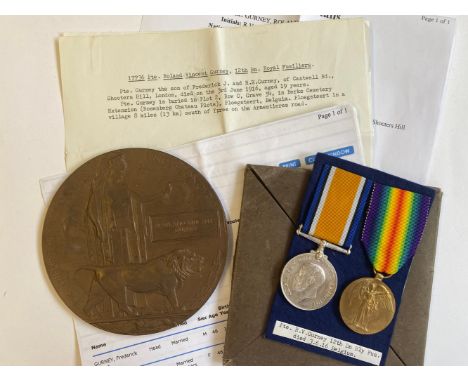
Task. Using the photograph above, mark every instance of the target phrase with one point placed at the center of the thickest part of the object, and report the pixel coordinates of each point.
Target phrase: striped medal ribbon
(393, 228)
(309, 280)
(392, 231)
(337, 206)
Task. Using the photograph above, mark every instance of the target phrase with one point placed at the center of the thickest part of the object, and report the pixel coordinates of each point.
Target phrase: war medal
(309, 280)
(392, 231)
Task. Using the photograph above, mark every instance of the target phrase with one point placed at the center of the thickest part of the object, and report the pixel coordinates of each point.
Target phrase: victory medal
(309, 280)
(392, 230)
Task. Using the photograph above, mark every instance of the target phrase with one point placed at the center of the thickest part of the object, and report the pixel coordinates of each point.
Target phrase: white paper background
(36, 328)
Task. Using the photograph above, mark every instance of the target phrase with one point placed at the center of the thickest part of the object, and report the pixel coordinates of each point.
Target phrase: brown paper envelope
(270, 209)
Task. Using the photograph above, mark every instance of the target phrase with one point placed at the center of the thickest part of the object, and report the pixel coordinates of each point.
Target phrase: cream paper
(160, 90)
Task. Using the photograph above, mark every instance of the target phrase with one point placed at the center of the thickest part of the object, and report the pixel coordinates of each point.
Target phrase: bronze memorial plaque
(135, 241)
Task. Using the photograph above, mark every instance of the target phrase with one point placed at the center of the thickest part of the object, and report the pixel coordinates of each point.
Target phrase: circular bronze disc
(135, 241)
(367, 306)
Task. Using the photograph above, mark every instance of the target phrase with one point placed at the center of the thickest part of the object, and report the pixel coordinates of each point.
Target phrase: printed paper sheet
(166, 89)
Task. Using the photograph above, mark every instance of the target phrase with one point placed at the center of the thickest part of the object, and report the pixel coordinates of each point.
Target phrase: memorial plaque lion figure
(164, 275)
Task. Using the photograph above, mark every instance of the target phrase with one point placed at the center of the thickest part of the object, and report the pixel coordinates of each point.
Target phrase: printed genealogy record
(135, 241)
(160, 90)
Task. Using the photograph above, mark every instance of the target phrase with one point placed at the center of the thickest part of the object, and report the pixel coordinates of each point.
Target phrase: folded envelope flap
(286, 186)
(265, 233)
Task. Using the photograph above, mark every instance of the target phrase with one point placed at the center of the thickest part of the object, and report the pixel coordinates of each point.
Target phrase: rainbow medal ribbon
(309, 280)
(392, 231)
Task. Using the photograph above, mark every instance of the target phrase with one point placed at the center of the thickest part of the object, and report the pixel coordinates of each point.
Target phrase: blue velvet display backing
(327, 320)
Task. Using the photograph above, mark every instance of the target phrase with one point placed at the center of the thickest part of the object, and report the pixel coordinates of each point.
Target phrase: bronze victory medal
(135, 241)
(367, 305)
